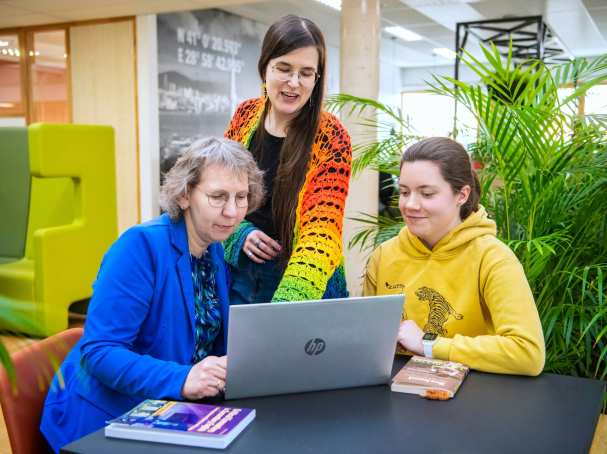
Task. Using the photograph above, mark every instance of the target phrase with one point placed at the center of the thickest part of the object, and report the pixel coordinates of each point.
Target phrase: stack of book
(430, 378)
(182, 423)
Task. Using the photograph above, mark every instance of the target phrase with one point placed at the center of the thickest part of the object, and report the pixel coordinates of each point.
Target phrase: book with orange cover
(430, 378)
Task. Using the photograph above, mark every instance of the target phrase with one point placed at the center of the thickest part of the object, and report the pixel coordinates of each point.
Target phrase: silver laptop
(280, 348)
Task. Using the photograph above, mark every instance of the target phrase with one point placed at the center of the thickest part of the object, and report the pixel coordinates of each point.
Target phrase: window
(429, 114)
(48, 77)
(11, 75)
(34, 80)
(596, 100)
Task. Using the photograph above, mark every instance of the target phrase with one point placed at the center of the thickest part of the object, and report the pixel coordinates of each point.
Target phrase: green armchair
(71, 221)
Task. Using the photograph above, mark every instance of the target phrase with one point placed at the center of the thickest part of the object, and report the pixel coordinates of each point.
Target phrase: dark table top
(489, 414)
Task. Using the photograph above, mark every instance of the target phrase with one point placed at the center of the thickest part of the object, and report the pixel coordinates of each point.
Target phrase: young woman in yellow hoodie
(467, 297)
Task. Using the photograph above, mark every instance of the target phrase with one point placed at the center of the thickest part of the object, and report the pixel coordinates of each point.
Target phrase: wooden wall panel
(104, 92)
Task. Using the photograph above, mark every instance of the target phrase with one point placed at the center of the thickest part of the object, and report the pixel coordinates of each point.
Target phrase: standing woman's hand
(259, 247)
(206, 378)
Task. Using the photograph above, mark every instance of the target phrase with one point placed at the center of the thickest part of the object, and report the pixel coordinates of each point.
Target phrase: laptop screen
(279, 348)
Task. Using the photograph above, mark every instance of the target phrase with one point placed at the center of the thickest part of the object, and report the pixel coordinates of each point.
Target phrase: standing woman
(290, 249)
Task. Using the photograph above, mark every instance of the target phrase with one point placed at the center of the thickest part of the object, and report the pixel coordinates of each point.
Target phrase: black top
(268, 162)
(490, 413)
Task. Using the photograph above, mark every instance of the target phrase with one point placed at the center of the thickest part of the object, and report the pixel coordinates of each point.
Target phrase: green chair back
(72, 222)
(51, 204)
(14, 192)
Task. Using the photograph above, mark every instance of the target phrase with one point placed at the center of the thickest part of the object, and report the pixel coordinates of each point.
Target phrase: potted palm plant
(9, 318)
(544, 181)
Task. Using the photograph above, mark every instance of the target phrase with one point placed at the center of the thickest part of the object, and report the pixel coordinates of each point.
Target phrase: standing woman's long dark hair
(284, 36)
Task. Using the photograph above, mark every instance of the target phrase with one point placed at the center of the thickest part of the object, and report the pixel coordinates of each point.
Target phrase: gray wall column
(359, 75)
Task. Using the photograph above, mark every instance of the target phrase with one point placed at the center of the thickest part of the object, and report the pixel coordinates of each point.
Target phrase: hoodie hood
(474, 226)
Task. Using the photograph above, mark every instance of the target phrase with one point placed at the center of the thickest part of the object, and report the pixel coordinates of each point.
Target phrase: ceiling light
(436, 3)
(6, 105)
(335, 4)
(403, 33)
(4, 43)
(444, 52)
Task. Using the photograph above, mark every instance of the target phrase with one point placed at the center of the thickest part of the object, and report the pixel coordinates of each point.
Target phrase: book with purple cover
(182, 423)
(430, 378)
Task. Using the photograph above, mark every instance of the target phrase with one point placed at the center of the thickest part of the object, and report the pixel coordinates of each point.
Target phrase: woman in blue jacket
(157, 321)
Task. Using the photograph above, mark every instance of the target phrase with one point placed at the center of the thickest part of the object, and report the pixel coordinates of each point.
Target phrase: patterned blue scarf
(206, 306)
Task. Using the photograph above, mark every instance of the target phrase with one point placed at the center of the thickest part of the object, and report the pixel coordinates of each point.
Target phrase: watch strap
(428, 345)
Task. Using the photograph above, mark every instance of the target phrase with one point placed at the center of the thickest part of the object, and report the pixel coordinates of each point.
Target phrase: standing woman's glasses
(285, 73)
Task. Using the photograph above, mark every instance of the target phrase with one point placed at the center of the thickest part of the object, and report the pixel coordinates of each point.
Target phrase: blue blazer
(139, 335)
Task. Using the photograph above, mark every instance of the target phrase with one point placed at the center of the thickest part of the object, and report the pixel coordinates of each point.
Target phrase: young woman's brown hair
(454, 164)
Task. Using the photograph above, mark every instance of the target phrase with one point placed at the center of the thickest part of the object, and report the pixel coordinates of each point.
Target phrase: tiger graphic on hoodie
(440, 310)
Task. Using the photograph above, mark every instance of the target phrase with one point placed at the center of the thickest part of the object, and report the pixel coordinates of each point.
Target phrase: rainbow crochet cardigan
(315, 269)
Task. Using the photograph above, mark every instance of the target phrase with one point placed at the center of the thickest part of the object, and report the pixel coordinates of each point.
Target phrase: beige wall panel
(103, 92)
(359, 76)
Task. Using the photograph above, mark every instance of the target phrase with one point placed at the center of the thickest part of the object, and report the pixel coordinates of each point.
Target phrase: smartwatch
(428, 342)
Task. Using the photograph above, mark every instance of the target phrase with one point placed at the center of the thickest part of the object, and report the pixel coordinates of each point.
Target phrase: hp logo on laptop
(315, 346)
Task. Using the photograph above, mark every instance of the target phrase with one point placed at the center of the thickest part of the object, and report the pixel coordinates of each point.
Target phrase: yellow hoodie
(471, 290)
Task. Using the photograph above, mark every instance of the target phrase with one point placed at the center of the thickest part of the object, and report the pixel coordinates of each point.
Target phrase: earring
(264, 90)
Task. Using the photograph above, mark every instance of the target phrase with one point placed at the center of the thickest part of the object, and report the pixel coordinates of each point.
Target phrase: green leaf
(5, 361)
(544, 182)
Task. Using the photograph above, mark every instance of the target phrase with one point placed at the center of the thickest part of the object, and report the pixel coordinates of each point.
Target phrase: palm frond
(5, 361)
(355, 106)
(544, 182)
(14, 318)
(374, 230)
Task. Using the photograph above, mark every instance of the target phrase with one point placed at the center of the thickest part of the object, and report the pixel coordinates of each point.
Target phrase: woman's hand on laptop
(206, 378)
(410, 337)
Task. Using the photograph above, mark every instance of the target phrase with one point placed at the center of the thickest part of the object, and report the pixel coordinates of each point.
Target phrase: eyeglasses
(220, 200)
(306, 77)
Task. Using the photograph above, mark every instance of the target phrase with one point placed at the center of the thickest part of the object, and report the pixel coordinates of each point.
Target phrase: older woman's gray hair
(203, 153)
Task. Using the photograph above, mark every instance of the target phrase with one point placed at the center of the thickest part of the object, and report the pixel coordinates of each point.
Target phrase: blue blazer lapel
(179, 239)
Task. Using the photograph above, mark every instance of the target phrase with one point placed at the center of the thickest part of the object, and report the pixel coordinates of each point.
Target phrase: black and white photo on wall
(207, 65)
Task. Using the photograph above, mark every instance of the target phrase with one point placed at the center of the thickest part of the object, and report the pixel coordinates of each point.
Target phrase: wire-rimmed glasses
(220, 199)
(306, 76)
